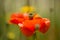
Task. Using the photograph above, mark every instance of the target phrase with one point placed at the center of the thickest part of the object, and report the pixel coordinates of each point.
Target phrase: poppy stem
(36, 32)
(36, 36)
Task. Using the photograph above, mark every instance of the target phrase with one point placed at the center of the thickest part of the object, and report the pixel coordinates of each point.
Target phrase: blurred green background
(46, 8)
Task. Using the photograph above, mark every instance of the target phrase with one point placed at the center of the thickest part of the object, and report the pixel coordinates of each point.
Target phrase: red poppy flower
(29, 26)
(44, 25)
(18, 18)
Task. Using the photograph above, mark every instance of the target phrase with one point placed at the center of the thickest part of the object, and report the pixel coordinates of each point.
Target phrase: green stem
(36, 35)
(36, 32)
